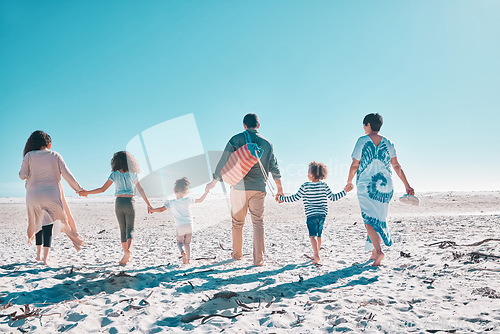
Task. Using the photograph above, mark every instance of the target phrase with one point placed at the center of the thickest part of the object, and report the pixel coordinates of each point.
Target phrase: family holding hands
(372, 159)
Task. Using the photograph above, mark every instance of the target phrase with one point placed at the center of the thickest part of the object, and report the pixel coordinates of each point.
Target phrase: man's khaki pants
(241, 202)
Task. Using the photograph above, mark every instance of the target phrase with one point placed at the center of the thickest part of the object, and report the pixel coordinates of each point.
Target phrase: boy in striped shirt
(315, 195)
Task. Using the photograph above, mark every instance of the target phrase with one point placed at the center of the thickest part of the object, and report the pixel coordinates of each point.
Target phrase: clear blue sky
(93, 74)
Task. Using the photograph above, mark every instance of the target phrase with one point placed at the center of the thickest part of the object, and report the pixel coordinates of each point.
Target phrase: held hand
(150, 209)
(410, 191)
(210, 185)
(277, 198)
(83, 193)
(348, 187)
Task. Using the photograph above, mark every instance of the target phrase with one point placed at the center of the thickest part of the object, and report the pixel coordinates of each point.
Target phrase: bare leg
(375, 239)
(374, 255)
(124, 246)
(39, 252)
(187, 246)
(126, 252)
(46, 251)
(319, 244)
(184, 258)
(314, 245)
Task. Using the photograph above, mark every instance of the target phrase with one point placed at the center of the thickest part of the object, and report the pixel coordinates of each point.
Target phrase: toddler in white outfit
(182, 216)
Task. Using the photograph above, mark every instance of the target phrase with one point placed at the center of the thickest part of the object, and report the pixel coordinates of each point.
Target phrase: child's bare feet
(378, 259)
(374, 255)
(316, 259)
(126, 258)
(184, 258)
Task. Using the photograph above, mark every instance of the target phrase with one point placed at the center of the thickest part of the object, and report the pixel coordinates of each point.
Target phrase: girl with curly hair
(124, 170)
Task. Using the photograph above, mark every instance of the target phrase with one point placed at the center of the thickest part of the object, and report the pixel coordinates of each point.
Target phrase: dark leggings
(44, 236)
(125, 213)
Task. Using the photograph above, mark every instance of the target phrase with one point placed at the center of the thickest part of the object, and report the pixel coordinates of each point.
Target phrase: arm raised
(96, 190)
(292, 198)
(159, 209)
(202, 198)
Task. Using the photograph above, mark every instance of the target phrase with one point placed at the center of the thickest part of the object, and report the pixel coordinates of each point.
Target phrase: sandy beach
(426, 285)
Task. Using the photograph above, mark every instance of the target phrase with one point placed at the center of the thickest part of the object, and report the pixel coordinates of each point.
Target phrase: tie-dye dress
(374, 184)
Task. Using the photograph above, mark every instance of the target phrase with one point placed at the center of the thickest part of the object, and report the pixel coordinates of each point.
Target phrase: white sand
(430, 290)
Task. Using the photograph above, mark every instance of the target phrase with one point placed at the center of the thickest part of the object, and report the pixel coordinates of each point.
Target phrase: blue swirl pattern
(376, 194)
(374, 184)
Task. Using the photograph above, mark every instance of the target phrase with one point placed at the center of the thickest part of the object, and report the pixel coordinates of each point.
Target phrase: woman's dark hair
(251, 121)
(36, 141)
(375, 121)
(181, 185)
(318, 170)
(124, 161)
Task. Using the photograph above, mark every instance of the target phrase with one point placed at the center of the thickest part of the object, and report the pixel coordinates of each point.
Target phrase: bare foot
(237, 258)
(126, 258)
(184, 258)
(316, 259)
(38, 258)
(378, 259)
(46, 262)
(374, 255)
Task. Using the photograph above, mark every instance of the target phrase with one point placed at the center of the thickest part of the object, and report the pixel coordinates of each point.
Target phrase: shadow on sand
(77, 283)
(262, 294)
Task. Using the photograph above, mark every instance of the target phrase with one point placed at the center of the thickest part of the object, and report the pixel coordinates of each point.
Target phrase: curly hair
(124, 161)
(318, 170)
(36, 141)
(181, 185)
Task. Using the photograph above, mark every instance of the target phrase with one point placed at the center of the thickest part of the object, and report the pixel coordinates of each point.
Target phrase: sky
(94, 74)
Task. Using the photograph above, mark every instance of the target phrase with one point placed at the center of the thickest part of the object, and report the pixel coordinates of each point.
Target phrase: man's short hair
(251, 121)
(375, 121)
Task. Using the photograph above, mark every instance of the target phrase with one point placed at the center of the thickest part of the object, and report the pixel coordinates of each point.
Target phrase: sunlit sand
(438, 275)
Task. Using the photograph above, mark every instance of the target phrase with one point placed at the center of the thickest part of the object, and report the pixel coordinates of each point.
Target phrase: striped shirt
(314, 195)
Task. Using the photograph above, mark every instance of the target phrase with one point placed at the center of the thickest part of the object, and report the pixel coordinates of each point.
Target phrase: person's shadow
(262, 295)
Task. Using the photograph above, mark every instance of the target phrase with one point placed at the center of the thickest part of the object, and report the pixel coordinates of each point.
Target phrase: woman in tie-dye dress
(372, 158)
